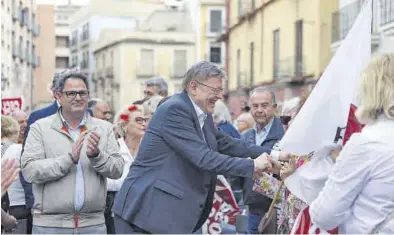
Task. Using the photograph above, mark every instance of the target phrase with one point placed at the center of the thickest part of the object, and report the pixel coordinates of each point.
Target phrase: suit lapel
(186, 98)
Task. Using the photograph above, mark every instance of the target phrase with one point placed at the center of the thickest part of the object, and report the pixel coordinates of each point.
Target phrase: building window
(61, 62)
(74, 38)
(215, 53)
(27, 52)
(180, 63)
(276, 42)
(85, 32)
(215, 21)
(74, 61)
(240, 8)
(20, 48)
(299, 40)
(104, 64)
(239, 68)
(147, 62)
(251, 63)
(61, 41)
(111, 56)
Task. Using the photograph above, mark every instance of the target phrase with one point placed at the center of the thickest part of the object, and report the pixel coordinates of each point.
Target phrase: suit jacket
(259, 204)
(34, 116)
(171, 183)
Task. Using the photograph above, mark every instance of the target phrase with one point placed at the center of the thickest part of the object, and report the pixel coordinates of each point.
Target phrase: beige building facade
(164, 46)
(52, 47)
(19, 29)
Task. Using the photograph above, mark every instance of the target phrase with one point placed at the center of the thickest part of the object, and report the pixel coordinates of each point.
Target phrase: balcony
(344, 19)
(387, 17)
(145, 71)
(35, 61)
(109, 72)
(291, 70)
(15, 51)
(15, 14)
(20, 53)
(36, 30)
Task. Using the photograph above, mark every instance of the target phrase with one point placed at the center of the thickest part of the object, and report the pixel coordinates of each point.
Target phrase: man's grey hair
(65, 75)
(221, 113)
(160, 83)
(93, 102)
(264, 90)
(201, 71)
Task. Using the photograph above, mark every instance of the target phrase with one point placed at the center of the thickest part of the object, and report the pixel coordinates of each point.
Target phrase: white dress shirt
(200, 114)
(115, 185)
(262, 135)
(359, 192)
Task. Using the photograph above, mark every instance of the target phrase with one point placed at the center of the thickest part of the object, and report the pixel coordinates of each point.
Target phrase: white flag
(327, 107)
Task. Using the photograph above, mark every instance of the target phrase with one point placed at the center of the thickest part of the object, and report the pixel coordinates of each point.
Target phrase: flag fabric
(327, 117)
(224, 208)
(327, 107)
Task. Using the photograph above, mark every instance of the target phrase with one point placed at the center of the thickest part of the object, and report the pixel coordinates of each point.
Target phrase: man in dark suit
(171, 184)
(267, 131)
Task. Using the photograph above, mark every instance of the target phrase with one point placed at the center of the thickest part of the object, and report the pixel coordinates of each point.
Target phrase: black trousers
(124, 227)
(21, 212)
(109, 220)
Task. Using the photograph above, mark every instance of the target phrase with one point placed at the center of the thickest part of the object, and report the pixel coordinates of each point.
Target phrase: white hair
(221, 112)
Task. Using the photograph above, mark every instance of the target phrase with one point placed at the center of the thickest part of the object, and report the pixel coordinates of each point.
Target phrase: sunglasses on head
(285, 119)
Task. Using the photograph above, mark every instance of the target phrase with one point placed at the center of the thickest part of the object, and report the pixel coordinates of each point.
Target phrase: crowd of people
(152, 166)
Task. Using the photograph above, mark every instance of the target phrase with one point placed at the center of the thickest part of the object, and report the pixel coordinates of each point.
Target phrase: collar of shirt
(200, 114)
(124, 150)
(82, 123)
(262, 135)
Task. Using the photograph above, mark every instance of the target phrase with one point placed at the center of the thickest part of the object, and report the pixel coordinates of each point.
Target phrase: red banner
(224, 208)
(10, 105)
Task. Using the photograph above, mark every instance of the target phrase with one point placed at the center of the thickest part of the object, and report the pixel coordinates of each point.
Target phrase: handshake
(266, 163)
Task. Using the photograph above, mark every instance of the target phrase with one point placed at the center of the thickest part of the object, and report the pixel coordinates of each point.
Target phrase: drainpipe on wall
(227, 42)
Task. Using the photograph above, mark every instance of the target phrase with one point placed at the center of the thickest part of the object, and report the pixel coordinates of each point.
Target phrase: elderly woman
(358, 195)
(131, 127)
(244, 122)
(10, 151)
(222, 118)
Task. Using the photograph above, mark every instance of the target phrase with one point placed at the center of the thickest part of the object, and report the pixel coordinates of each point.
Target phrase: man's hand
(276, 166)
(289, 168)
(7, 220)
(261, 164)
(284, 157)
(92, 149)
(9, 171)
(76, 148)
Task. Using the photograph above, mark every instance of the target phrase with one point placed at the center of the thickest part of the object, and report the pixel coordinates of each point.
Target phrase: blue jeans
(253, 223)
(96, 229)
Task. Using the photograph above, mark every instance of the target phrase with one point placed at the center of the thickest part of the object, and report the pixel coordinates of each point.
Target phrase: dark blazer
(171, 183)
(259, 204)
(229, 129)
(34, 116)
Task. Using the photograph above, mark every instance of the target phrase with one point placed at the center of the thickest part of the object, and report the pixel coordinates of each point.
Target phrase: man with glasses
(170, 187)
(67, 157)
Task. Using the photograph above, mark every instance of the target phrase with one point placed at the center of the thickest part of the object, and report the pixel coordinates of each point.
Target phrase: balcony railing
(109, 71)
(15, 52)
(291, 68)
(343, 20)
(36, 30)
(386, 12)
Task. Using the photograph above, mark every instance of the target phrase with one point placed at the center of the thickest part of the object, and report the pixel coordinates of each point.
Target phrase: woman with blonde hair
(358, 195)
(131, 126)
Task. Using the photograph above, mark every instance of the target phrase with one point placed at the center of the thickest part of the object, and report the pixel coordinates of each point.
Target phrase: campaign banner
(10, 105)
(224, 208)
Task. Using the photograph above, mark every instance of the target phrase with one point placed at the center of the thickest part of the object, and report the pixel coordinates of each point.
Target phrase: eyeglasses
(73, 94)
(215, 90)
(141, 120)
